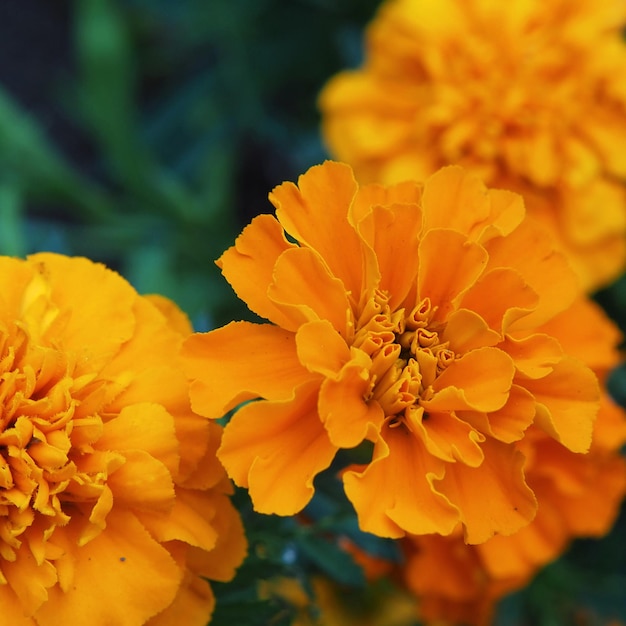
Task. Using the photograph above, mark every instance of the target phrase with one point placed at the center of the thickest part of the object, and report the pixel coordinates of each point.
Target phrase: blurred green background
(145, 134)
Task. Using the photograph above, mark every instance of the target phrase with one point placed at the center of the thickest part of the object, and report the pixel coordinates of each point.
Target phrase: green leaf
(28, 159)
(12, 241)
(331, 559)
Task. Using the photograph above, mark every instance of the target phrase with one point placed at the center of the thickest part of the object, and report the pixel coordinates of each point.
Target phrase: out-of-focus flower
(114, 506)
(406, 316)
(331, 604)
(578, 496)
(524, 93)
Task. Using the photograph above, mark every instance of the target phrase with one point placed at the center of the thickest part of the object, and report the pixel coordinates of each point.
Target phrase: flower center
(407, 356)
(48, 421)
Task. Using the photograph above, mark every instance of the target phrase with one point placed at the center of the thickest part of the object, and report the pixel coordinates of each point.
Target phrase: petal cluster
(114, 507)
(407, 320)
(523, 93)
(578, 496)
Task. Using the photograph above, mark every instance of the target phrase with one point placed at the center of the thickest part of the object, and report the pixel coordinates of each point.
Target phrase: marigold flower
(578, 496)
(406, 316)
(114, 506)
(523, 93)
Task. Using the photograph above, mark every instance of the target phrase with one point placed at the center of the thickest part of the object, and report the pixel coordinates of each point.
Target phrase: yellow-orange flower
(578, 496)
(407, 316)
(525, 93)
(114, 506)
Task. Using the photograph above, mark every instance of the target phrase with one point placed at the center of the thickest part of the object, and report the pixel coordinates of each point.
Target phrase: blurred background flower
(145, 133)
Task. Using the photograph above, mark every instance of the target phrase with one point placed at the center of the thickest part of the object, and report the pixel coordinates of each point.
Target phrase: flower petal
(492, 498)
(304, 290)
(567, 403)
(585, 332)
(122, 577)
(316, 214)
(321, 349)
(500, 297)
(534, 355)
(98, 286)
(402, 476)
(221, 379)
(347, 416)
(142, 482)
(509, 423)
(192, 606)
(276, 449)
(249, 264)
(450, 439)
(148, 427)
(392, 231)
(456, 199)
(479, 380)
(12, 608)
(449, 265)
(546, 271)
(467, 330)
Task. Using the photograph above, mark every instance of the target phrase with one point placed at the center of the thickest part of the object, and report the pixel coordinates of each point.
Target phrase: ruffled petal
(586, 333)
(321, 349)
(248, 265)
(479, 380)
(192, 606)
(122, 577)
(347, 416)
(304, 290)
(467, 330)
(567, 403)
(221, 379)
(509, 423)
(449, 438)
(546, 271)
(98, 286)
(492, 498)
(276, 449)
(12, 609)
(500, 297)
(535, 356)
(449, 265)
(189, 520)
(231, 547)
(147, 427)
(142, 482)
(316, 214)
(454, 199)
(402, 475)
(29, 582)
(388, 230)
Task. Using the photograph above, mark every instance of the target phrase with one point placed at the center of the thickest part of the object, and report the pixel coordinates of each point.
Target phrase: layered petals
(108, 477)
(279, 477)
(523, 97)
(412, 318)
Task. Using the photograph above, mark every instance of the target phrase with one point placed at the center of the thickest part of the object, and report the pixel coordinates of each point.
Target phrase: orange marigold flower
(114, 505)
(523, 93)
(578, 496)
(406, 316)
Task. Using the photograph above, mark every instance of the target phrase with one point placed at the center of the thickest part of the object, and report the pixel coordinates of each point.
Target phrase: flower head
(405, 316)
(113, 504)
(524, 93)
(578, 496)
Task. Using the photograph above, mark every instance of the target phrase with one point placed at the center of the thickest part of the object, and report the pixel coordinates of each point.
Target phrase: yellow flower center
(47, 426)
(407, 356)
